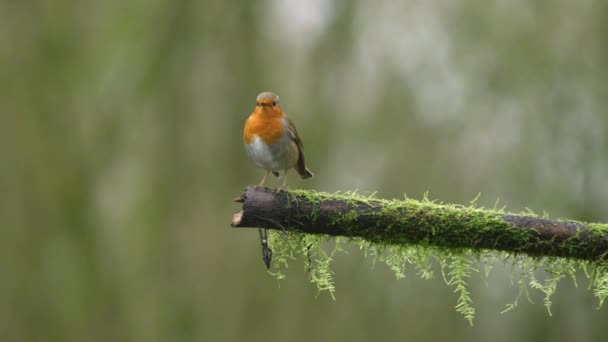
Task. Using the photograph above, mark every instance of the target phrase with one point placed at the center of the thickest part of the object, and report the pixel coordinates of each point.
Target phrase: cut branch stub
(414, 222)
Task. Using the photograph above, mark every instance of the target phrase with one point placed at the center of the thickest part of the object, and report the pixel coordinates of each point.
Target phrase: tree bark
(419, 222)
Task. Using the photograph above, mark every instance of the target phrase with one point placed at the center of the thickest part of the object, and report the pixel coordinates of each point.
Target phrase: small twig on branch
(414, 222)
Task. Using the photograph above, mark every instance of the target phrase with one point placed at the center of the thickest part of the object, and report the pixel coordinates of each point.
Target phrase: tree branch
(419, 222)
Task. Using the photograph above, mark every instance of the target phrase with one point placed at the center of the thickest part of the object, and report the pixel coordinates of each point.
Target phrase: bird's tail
(306, 173)
(303, 171)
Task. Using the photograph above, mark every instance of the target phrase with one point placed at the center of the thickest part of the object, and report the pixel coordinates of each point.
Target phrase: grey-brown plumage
(301, 164)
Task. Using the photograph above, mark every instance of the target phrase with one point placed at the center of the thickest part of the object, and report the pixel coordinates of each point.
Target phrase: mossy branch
(424, 222)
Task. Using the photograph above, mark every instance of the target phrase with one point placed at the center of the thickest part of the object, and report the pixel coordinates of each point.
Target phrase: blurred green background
(120, 146)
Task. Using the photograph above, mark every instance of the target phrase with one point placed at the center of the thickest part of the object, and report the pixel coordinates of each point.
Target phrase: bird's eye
(274, 103)
(257, 103)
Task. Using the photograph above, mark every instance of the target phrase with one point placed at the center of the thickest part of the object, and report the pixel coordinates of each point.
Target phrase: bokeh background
(120, 146)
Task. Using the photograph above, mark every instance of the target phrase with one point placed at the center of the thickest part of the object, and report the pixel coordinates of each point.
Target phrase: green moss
(456, 270)
(445, 233)
(599, 283)
(598, 229)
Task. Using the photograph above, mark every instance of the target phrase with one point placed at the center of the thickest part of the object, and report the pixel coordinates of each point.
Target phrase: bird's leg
(264, 179)
(284, 182)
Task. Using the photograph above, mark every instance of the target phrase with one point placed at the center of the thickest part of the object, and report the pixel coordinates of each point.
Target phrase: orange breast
(269, 128)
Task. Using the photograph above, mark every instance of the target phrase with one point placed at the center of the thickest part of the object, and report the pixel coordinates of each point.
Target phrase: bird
(272, 141)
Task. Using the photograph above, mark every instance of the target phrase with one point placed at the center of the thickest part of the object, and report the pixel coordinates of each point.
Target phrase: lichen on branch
(410, 232)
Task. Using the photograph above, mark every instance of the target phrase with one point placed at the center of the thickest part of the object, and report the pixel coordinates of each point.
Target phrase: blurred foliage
(120, 146)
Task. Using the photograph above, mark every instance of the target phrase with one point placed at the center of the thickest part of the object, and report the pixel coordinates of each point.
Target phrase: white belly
(272, 157)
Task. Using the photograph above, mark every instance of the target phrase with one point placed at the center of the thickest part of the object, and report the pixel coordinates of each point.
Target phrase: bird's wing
(293, 133)
(301, 165)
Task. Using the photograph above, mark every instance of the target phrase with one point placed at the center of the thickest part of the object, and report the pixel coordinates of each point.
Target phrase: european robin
(272, 141)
